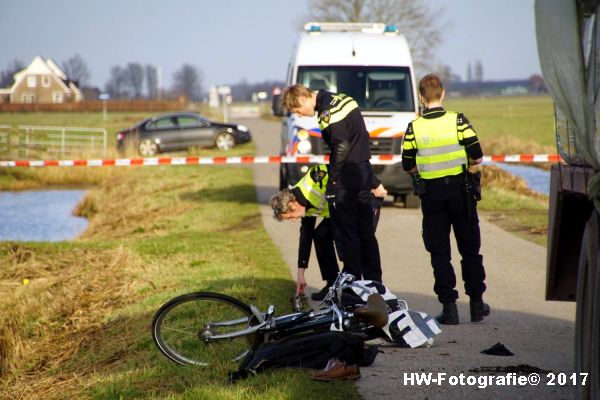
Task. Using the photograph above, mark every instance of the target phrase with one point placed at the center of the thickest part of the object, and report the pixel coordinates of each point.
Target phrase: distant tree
(116, 86)
(7, 76)
(187, 81)
(445, 73)
(478, 71)
(414, 19)
(135, 79)
(537, 84)
(76, 70)
(469, 72)
(152, 81)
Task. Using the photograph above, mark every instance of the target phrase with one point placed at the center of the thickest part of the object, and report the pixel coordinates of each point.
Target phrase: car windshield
(374, 88)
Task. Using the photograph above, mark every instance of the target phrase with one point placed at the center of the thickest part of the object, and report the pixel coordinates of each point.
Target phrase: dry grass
(508, 144)
(497, 178)
(57, 314)
(119, 209)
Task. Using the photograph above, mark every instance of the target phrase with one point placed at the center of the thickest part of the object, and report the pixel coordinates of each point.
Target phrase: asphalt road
(538, 332)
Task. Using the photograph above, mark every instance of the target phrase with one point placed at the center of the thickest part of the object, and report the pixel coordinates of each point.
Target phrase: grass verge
(78, 327)
(510, 204)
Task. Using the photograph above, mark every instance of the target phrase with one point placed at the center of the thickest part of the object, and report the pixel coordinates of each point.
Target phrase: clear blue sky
(231, 40)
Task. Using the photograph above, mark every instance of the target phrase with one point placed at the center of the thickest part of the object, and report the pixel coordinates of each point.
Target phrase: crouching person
(306, 201)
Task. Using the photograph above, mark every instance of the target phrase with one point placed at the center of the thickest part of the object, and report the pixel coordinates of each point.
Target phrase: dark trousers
(324, 247)
(444, 206)
(353, 218)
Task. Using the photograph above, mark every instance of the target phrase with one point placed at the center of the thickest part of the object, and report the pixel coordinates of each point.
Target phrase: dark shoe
(342, 373)
(449, 315)
(479, 309)
(320, 295)
(375, 312)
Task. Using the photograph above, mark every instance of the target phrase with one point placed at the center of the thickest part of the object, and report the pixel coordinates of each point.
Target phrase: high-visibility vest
(313, 186)
(439, 152)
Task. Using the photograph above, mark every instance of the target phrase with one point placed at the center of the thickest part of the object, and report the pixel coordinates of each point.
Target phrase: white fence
(32, 140)
(5, 138)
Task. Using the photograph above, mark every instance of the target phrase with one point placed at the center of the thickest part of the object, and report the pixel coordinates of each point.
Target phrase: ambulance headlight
(304, 146)
(302, 134)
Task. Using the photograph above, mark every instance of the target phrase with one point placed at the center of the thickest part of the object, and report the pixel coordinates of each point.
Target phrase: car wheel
(225, 141)
(148, 148)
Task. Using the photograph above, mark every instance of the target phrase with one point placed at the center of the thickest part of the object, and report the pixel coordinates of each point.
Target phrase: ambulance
(370, 62)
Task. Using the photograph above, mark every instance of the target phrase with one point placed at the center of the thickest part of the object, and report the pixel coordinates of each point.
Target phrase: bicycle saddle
(375, 312)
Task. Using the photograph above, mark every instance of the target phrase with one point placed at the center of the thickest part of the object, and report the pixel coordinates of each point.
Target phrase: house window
(46, 80)
(31, 81)
(28, 98)
(57, 97)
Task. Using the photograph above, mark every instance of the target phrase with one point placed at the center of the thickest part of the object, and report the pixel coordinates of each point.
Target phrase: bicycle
(207, 328)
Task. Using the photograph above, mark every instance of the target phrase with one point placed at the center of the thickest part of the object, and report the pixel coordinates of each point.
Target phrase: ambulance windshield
(374, 88)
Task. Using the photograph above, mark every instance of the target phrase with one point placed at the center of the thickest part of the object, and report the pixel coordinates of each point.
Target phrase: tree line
(130, 81)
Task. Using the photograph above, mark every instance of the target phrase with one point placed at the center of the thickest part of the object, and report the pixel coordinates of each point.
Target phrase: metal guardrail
(59, 140)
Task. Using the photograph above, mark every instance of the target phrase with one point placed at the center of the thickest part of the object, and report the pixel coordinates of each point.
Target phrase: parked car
(179, 131)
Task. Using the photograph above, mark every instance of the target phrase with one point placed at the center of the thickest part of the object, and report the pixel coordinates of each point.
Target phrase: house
(42, 82)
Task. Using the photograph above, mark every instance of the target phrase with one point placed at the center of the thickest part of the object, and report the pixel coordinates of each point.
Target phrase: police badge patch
(325, 115)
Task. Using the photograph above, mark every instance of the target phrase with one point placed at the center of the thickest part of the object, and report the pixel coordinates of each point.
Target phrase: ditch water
(40, 216)
(537, 179)
(46, 216)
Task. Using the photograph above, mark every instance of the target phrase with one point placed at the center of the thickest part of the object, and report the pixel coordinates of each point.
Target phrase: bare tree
(116, 86)
(469, 72)
(7, 76)
(188, 82)
(417, 22)
(478, 71)
(135, 79)
(77, 70)
(152, 81)
(445, 73)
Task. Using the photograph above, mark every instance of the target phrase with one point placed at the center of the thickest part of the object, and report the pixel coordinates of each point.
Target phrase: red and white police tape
(384, 159)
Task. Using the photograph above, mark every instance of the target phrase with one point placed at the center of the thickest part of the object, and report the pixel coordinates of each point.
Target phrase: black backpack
(311, 350)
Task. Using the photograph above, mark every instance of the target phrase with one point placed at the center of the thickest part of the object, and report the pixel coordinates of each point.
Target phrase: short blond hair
(431, 88)
(292, 93)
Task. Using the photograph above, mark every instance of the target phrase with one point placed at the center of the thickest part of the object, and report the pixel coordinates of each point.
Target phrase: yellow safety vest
(439, 152)
(312, 186)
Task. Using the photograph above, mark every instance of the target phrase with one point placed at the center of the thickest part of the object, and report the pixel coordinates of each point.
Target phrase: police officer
(306, 200)
(351, 179)
(439, 146)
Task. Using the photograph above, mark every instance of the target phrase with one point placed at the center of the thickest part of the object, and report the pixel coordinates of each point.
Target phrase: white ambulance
(371, 63)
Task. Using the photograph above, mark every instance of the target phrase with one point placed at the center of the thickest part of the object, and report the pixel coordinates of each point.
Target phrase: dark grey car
(180, 131)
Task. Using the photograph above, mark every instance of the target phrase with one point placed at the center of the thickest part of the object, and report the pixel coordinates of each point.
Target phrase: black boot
(479, 309)
(449, 315)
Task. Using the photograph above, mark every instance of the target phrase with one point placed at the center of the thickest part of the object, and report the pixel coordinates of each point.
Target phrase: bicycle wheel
(183, 326)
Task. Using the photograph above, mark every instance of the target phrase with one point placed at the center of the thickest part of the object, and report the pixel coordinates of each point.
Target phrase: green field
(510, 125)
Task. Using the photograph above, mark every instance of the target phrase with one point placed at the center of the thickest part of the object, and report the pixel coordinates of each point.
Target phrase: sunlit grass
(81, 327)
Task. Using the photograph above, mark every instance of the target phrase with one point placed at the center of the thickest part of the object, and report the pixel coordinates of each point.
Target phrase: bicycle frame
(290, 324)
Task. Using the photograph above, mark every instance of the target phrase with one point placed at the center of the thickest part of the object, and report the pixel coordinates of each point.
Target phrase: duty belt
(446, 180)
